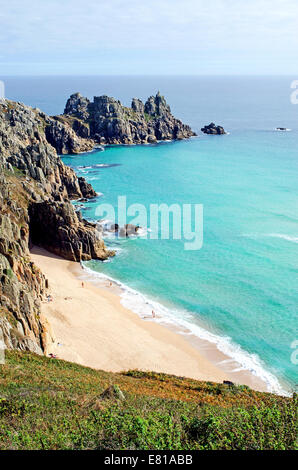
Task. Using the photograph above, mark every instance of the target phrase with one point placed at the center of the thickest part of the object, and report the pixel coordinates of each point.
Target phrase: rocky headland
(35, 193)
(106, 121)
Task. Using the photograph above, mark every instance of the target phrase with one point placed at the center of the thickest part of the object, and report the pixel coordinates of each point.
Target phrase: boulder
(128, 230)
(212, 129)
(113, 393)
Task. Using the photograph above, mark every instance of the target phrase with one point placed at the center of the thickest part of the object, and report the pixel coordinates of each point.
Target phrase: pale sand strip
(92, 328)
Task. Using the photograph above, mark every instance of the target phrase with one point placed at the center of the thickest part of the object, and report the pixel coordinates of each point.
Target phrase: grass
(52, 404)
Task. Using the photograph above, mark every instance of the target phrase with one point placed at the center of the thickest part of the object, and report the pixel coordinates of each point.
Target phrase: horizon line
(148, 75)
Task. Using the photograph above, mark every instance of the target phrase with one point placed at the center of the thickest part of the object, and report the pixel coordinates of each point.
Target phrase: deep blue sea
(241, 289)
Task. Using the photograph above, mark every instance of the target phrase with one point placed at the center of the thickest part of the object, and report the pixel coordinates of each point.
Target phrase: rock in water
(212, 129)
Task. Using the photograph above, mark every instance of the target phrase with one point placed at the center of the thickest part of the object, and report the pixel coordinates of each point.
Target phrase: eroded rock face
(22, 284)
(108, 121)
(65, 233)
(35, 192)
(86, 188)
(212, 129)
(24, 144)
(65, 140)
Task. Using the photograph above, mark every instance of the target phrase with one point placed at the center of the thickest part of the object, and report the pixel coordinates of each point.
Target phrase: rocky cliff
(107, 121)
(35, 193)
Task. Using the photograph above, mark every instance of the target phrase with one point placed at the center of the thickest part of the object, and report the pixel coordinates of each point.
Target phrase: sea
(240, 289)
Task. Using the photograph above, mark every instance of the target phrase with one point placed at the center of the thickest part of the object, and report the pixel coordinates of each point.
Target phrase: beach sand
(92, 328)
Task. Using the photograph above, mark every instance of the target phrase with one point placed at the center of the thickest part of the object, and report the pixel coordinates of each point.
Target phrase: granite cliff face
(35, 192)
(64, 139)
(107, 121)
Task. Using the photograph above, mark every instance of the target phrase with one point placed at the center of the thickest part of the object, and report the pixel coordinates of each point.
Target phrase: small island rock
(212, 129)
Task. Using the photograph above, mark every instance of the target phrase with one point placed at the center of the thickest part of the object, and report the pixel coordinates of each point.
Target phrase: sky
(152, 37)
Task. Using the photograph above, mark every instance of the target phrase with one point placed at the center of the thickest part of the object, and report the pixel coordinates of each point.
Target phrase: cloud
(68, 31)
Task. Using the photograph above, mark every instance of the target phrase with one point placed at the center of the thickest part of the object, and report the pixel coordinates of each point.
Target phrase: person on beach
(82, 284)
(153, 314)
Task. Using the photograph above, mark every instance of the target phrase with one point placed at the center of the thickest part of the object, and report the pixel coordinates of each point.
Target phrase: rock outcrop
(35, 193)
(65, 232)
(212, 129)
(107, 121)
(65, 140)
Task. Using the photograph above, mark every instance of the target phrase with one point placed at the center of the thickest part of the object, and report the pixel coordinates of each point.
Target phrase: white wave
(283, 236)
(289, 238)
(185, 321)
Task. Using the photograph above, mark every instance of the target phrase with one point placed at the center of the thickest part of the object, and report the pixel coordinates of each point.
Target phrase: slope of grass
(52, 404)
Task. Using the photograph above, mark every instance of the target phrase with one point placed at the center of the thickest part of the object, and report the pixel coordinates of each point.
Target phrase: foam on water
(282, 236)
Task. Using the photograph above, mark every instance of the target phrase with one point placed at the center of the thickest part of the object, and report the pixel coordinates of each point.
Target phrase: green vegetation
(51, 404)
(148, 117)
(16, 172)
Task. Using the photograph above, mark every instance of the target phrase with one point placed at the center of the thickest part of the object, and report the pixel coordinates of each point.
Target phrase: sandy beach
(92, 328)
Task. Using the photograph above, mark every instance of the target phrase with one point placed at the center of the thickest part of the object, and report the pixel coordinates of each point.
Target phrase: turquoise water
(242, 284)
